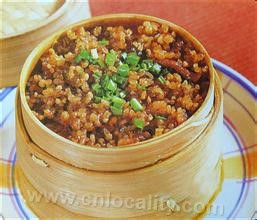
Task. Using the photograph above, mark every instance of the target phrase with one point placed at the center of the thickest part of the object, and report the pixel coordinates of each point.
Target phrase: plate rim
(236, 76)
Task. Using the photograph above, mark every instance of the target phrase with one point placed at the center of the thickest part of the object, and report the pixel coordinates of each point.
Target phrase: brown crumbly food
(61, 93)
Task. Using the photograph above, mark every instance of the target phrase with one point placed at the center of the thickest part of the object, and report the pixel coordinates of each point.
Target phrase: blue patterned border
(245, 83)
(5, 92)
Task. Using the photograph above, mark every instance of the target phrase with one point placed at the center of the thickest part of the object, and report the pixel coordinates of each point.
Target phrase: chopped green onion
(116, 111)
(105, 79)
(139, 123)
(124, 56)
(111, 58)
(83, 55)
(117, 92)
(159, 117)
(162, 79)
(156, 68)
(93, 61)
(132, 59)
(118, 102)
(96, 87)
(78, 59)
(123, 70)
(112, 86)
(146, 64)
(107, 98)
(119, 79)
(135, 68)
(100, 63)
(135, 104)
(107, 95)
(103, 42)
(97, 99)
(123, 94)
(97, 76)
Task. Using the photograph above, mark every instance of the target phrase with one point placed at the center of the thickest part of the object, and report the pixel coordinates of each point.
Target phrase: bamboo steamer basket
(122, 158)
(192, 175)
(25, 24)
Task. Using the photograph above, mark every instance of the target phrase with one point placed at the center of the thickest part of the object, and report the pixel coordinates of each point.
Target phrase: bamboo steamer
(192, 175)
(122, 158)
(183, 166)
(25, 24)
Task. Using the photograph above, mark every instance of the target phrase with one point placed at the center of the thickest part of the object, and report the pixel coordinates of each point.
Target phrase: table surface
(227, 28)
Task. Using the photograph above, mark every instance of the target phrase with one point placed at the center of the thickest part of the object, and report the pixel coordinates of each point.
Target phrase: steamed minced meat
(119, 85)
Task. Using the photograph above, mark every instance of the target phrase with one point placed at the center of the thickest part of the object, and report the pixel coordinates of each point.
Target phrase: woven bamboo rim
(61, 6)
